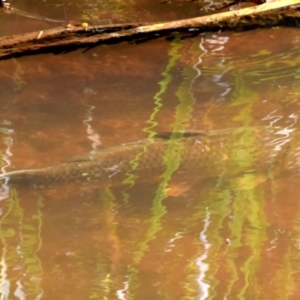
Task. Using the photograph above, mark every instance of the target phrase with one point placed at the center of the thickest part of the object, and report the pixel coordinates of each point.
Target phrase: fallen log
(276, 13)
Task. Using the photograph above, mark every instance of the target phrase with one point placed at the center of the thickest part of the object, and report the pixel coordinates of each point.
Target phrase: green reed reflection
(246, 97)
(174, 54)
(158, 104)
(20, 234)
(158, 209)
(102, 285)
(182, 117)
(237, 210)
(31, 244)
(248, 204)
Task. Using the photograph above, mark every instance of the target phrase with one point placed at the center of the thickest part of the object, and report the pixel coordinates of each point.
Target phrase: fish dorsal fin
(90, 156)
(81, 158)
(179, 135)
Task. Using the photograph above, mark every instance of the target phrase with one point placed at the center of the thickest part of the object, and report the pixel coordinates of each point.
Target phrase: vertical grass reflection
(31, 244)
(20, 233)
(151, 122)
(174, 54)
(158, 209)
(9, 256)
(101, 286)
(238, 228)
(243, 96)
(233, 239)
(248, 210)
(183, 115)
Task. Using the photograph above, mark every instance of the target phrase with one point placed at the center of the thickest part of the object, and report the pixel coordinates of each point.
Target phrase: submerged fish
(201, 154)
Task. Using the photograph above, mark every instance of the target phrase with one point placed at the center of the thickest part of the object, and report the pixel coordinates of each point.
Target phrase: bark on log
(265, 15)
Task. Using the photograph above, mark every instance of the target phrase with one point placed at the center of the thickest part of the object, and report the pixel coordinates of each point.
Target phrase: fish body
(229, 151)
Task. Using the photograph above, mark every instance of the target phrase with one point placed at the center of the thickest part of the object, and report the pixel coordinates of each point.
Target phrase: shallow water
(222, 237)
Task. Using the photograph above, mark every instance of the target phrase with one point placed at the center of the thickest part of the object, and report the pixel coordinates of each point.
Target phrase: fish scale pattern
(228, 151)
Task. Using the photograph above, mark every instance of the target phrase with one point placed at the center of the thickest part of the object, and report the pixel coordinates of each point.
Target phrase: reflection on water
(233, 234)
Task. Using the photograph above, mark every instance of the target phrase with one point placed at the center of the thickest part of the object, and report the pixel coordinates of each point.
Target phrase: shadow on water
(230, 229)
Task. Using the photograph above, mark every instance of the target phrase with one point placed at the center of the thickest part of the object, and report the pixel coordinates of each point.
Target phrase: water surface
(221, 237)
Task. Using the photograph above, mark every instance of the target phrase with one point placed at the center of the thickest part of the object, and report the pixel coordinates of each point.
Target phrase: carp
(200, 154)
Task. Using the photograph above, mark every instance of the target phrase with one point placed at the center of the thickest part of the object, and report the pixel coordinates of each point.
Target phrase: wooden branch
(265, 15)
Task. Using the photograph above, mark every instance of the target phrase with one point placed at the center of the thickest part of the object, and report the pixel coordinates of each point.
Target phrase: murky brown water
(222, 237)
